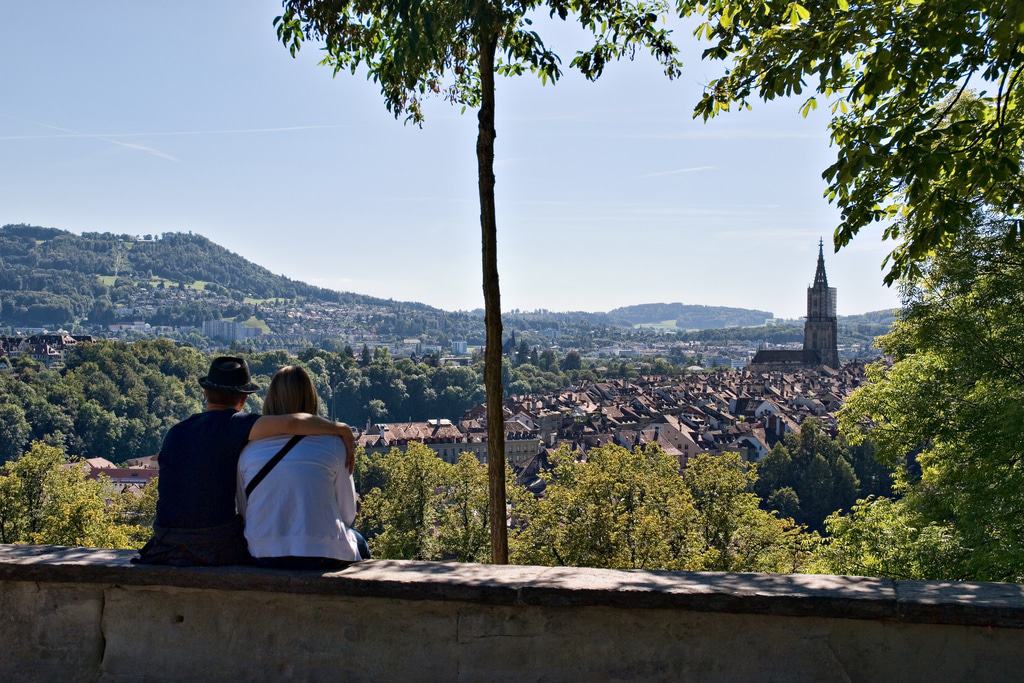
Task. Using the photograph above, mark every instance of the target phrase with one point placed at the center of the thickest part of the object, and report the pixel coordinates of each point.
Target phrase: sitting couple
(276, 487)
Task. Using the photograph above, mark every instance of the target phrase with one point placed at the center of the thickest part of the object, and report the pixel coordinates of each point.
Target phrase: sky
(142, 117)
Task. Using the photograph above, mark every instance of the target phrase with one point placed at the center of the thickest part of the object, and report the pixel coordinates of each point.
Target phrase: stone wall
(73, 614)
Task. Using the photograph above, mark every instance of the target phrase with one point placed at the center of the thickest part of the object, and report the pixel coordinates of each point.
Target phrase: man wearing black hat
(196, 522)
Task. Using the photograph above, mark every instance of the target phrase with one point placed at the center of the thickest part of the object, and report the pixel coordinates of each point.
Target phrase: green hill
(54, 277)
(178, 257)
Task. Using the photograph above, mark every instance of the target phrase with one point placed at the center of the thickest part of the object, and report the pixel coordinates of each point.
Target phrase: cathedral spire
(820, 279)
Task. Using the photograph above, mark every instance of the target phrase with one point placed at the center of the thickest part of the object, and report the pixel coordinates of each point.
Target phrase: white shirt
(305, 506)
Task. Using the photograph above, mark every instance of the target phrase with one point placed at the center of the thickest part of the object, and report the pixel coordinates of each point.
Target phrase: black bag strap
(271, 464)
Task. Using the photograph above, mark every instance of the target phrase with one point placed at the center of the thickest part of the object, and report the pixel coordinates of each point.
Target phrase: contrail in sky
(69, 133)
(66, 133)
(677, 171)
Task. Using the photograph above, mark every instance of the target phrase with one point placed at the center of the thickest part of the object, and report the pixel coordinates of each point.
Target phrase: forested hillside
(50, 276)
(111, 400)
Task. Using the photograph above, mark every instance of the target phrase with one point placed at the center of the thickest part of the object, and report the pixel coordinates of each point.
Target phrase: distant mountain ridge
(885, 316)
(50, 276)
(688, 316)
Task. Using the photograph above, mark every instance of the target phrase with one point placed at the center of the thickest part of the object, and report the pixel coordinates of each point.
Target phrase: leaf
(810, 105)
(797, 13)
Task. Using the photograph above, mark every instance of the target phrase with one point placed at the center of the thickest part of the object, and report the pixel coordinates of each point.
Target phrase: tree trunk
(492, 305)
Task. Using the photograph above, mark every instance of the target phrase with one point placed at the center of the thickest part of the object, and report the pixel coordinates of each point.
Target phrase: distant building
(229, 330)
(522, 442)
(149, 462)
(407, 347)
(460, 348)
(440, 435)
(47, 348)
(138, 326)
(120, 477)
(820, 335)
(820, 327)
(449, 441)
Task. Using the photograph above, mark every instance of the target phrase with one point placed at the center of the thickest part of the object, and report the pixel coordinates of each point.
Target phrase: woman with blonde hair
(296, 494)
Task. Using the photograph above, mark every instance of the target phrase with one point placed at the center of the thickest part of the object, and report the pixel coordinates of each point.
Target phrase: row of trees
(850, 330)
(624, 509)
(374, 386)
(615, 509)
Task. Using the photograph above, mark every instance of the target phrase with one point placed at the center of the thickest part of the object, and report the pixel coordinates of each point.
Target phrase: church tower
(820, 327)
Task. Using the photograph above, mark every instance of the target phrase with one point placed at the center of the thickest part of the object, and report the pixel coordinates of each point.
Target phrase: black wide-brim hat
(229, 373)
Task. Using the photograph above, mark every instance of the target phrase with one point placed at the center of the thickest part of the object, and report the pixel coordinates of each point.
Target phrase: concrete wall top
(846, 597)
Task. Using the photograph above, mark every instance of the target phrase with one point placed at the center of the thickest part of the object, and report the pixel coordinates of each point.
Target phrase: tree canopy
(613, 508)
(414, 50)
(418, 507)
(808, 476)
(45, 498)
(111, 399)
(925, 100)
(948, 413)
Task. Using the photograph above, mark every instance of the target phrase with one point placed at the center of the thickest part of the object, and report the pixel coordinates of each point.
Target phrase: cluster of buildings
(47, 348)
(283, 324)
(450, 440)
(295, 324)
(742, 411)
(131, 476)
(149, 297)
(288, 324)
(746, 411)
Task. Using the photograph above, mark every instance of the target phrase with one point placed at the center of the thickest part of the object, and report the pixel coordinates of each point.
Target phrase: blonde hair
(291, 391)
